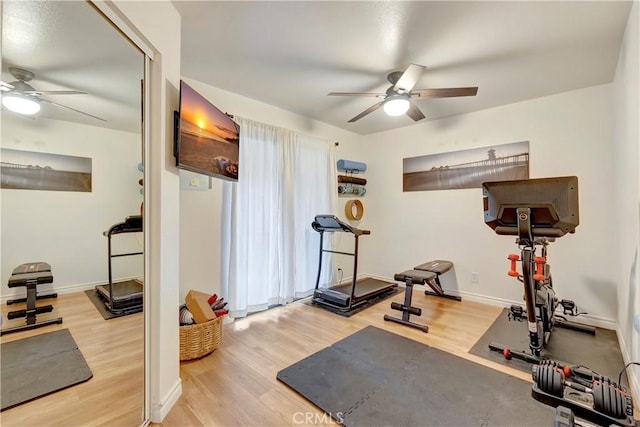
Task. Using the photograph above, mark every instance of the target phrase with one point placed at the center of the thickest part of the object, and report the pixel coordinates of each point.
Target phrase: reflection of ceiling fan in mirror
(21, 97)
(396, 101)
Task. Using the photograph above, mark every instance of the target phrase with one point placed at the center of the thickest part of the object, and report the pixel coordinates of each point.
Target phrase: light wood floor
(236, 385)
(113, 349)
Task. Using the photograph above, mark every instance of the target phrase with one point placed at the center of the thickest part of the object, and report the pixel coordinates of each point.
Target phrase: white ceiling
(70, 46)
(291, 54)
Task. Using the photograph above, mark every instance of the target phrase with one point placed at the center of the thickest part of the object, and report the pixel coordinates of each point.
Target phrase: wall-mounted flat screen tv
(207, 141)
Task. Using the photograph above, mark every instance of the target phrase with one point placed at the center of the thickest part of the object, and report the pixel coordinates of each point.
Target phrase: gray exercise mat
(36, 366)
(599, 352)
(377, 378)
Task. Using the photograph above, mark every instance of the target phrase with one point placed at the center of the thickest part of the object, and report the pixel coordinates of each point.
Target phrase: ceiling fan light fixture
(21, 104)
(396, 105)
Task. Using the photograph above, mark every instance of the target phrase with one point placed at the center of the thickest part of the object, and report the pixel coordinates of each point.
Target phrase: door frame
(112, 15)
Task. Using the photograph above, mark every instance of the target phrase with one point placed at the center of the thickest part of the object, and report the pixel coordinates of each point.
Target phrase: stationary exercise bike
(537, 211)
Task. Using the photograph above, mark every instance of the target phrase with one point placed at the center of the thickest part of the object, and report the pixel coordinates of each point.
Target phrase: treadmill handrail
(131, 224)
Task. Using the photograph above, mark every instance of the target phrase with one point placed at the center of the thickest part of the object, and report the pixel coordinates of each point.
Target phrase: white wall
(64, 228)
(569, 134)
(200, 210)
(626, 141)
(200, 234)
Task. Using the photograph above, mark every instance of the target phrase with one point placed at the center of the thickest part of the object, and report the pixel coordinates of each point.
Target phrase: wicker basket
(200, 339)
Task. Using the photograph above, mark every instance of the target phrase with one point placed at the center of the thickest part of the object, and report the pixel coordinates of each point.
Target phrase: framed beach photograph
(467, 168)
(30, 170)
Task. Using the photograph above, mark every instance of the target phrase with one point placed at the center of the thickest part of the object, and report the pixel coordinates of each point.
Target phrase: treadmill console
(131, 224)
(332, 223)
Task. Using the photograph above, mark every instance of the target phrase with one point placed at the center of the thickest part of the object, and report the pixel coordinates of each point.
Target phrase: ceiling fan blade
(379, 95)
(446, 92)
(371, 109)
(409, 78)
(72, 109)
(5, 87)
(54, 92)
(415, 113)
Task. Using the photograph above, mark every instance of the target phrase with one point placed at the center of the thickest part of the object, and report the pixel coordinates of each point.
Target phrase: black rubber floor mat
(599, 352)
(98, 303)
(36, 366)
(377, 378)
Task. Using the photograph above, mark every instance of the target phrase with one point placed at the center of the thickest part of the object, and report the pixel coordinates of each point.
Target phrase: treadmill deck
(365, 287)
(129, 290)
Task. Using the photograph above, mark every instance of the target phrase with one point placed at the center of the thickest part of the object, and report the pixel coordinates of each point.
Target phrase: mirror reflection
(72, 265)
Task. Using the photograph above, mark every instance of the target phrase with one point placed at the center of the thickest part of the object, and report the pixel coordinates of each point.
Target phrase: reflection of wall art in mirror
(467, 168)
(29, 170)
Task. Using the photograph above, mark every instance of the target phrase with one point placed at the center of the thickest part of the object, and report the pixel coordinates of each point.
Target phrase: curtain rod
(335, 144)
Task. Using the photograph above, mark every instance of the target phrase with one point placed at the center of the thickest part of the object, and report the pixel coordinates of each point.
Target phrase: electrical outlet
(475, 277)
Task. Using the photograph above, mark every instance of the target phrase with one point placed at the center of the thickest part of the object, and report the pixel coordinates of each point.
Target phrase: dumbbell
(608, 397)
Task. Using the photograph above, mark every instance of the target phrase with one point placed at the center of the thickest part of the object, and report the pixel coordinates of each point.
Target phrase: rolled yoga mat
(350, 165)
(352, 189)
(343, 179)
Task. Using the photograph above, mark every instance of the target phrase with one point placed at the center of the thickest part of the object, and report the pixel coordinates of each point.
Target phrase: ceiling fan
(396, 101)
(21, 97)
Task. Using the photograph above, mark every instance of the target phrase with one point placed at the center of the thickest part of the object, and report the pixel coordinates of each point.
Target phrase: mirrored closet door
(71, 230)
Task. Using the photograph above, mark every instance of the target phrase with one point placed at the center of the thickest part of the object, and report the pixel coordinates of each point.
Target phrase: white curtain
(269, 250)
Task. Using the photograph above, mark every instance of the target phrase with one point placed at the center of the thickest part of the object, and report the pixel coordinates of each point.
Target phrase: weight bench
(439, 267)
(427, 274)
(31, 275)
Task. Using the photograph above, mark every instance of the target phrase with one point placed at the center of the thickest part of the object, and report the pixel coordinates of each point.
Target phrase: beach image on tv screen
(208, 138)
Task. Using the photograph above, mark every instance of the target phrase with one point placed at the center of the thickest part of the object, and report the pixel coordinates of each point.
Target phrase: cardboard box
(199, 307)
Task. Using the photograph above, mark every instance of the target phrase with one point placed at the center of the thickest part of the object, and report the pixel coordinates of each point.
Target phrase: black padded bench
(438, 267)
(427, 274)
(31, 275)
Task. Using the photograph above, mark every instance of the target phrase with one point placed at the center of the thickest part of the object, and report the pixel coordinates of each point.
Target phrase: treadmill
(124, 297)
(346, 296)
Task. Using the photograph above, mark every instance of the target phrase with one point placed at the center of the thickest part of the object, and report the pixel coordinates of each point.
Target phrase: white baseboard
(373, 276)
(160, 410)
(586, 319)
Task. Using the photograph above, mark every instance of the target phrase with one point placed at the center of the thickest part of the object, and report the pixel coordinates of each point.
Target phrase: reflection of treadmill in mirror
(122, 297)
(347, 296)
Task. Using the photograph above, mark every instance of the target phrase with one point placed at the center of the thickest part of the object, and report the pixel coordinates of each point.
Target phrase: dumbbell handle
(539, 274)
(512, 271)
(578, 386)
